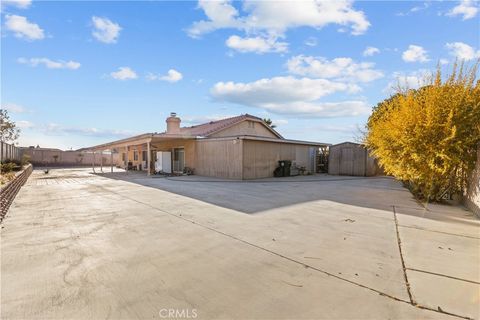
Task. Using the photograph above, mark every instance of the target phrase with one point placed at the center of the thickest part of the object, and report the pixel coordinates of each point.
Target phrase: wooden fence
(9, 151)
(472, 194)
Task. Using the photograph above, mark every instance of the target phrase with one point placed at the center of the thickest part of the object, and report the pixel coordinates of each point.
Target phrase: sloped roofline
(241, 118)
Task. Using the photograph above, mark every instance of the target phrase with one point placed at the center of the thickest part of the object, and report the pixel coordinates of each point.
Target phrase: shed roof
(346, 142)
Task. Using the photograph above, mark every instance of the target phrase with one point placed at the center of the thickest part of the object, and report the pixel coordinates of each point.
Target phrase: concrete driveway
(123, 246)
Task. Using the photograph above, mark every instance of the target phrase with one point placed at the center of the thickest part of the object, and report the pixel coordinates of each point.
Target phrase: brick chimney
(173, 124)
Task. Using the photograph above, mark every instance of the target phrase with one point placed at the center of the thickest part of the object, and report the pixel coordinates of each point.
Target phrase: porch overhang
(142, 139)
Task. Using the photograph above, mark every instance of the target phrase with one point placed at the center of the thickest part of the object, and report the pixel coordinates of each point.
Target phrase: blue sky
(76, 74)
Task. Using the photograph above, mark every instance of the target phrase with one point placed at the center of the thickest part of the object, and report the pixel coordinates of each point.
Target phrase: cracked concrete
(124, 246)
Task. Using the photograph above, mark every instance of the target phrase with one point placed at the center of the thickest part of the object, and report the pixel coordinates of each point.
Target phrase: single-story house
(241, 147)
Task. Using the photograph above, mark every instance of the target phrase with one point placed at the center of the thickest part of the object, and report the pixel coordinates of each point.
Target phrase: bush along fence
(10, 189)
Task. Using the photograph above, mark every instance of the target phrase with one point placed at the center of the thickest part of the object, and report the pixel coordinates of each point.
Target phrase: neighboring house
(242, 147)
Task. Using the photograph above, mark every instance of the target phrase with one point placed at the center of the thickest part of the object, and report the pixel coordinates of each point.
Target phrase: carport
(141, 151)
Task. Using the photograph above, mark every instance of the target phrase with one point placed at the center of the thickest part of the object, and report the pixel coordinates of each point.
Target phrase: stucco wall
(472, 196)
(260, 158)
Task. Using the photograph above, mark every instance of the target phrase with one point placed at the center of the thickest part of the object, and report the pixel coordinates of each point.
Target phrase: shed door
(346, 162)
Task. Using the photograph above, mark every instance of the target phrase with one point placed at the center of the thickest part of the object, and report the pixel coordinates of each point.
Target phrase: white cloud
(24, 124)
(22, 4)
(279, 122)
(23, 28)
(339, 68)
(370, 51)
(50, 64)
(412, 80)
(264, 20)
(279, 89)
(194, 120)
(14, 108)
(443, 61)
(415, 9)
(171, 76)
(424, 6)
(343, 128)
(292, 96)
(462, 51)
(221, 14)
(278, 16)
(105, 30)
(54, 129)
(256, 44)
(468, 9)
(124, 73)
(415, 53)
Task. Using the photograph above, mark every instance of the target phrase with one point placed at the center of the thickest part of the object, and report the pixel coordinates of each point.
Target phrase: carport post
(93, 162)
(126, 158)
(111, 160)
(101, 160)
(148, 158)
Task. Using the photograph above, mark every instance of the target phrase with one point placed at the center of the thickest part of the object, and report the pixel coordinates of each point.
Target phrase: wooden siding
(260, 158)
(245, 128)
(351, 159)
(219, 158)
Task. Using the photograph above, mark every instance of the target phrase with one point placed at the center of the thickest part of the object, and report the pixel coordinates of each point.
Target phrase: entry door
(163, 162)
(178, 159)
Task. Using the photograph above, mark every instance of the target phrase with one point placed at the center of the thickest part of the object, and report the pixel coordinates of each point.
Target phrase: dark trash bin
(284, 166)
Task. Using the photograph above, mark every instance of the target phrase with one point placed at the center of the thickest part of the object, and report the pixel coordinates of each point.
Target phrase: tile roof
(208, 128)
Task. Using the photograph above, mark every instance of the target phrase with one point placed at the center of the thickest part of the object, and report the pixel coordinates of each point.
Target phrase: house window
(251, 124)
(135, 155)
(144, 155)
(178, 159)
(123, 157)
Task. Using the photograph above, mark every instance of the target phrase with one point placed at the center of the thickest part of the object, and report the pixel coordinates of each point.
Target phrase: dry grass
(6, 177)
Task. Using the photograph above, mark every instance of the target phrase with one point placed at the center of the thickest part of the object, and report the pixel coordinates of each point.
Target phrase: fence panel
(9, 151)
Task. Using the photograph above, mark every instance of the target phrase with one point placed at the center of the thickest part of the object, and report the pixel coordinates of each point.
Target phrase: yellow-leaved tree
(428, 137)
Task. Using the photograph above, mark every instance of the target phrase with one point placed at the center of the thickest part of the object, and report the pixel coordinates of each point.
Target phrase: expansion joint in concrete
(443, 275)
(307, 266)
(399, 242)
